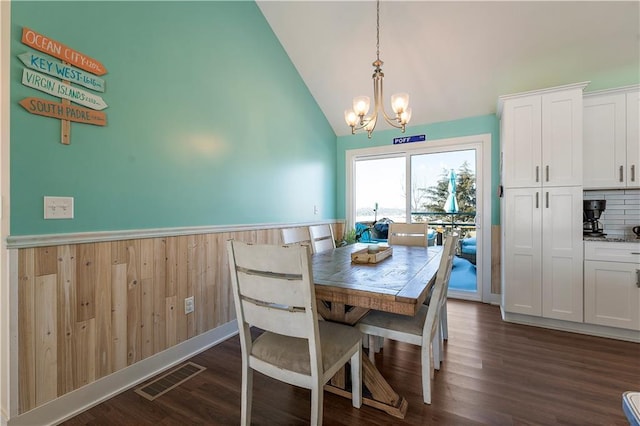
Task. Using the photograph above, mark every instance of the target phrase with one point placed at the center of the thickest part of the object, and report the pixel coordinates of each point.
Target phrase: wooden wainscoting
(88, 310)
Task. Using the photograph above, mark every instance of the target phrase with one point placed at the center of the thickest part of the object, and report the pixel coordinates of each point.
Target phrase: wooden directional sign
(56, 88)
(62, 52)
(60, 111)
(65, 72)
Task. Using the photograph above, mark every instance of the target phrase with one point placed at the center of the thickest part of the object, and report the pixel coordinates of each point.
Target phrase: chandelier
(357, 117)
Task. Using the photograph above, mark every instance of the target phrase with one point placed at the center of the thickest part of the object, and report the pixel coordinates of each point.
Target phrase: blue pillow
(469, 249)
(469, 242)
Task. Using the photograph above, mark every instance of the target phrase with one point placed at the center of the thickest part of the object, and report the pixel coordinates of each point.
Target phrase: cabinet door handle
(621, 177)
(638, 278)
(547, 199)
(547, 172)
(633, 173)
(537, 200)
(537, 173)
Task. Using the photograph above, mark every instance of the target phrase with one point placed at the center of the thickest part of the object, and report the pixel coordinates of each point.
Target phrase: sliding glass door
(433, 184)
(443, 194)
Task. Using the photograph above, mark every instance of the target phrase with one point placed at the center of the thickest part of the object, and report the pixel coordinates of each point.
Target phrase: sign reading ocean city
(84, 72)
(60, 51)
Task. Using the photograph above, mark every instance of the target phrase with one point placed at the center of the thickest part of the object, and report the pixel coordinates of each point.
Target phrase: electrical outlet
(188, 305)
(58, 207)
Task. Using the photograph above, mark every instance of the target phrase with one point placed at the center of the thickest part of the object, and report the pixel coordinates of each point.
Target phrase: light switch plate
(58, 207)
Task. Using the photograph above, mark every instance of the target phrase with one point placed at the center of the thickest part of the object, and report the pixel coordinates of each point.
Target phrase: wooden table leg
(338, 312)
(383, 397)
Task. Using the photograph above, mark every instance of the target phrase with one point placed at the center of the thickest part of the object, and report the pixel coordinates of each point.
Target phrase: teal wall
(208, 122)
(450, 129)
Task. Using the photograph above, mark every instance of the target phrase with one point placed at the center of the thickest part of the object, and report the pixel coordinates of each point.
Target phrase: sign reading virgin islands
(56, 88)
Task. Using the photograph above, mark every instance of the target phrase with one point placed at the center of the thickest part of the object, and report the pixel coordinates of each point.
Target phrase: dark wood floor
(494, 373)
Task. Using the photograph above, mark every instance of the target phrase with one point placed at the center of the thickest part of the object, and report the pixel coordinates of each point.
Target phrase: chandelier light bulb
(399, 102)
(405, 116)
(350, 117)
(371, 123)
(361, 105)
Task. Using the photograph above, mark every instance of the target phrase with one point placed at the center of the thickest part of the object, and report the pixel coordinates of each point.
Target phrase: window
(379, 189)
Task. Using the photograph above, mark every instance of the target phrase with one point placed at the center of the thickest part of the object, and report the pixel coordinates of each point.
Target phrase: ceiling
(454, 58)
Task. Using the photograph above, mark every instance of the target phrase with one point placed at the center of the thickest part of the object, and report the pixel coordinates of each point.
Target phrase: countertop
(629, 239)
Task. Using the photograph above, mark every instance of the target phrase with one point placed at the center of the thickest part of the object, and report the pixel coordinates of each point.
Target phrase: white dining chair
(416, 234)
(403, 234)
(408, 234)
(298, 235)
(421, 329)
(322, 238)
(273, 290)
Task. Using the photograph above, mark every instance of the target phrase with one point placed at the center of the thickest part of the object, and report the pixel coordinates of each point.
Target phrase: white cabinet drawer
(612, 251)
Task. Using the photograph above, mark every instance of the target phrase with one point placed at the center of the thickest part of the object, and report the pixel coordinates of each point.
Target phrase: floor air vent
(168, 381)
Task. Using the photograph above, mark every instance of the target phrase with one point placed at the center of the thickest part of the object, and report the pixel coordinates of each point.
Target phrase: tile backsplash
(622, 212)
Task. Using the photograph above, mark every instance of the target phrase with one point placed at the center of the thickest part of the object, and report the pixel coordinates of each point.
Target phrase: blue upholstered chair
(468, 249)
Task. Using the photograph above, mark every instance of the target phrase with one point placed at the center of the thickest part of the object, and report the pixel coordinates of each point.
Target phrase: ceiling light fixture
(357, 117)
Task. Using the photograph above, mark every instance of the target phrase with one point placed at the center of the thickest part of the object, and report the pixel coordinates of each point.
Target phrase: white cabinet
(541, 135)
(541, 171)
(612, 284)
(542, 257)
(612, 139)
(522, 248)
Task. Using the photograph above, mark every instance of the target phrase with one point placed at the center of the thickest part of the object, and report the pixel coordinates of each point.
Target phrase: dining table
(346, 291)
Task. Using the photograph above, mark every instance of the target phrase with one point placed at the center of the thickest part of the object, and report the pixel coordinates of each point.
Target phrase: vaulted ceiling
(455, 58)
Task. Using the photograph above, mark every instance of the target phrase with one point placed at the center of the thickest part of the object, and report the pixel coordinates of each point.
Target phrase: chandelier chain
(378, 30)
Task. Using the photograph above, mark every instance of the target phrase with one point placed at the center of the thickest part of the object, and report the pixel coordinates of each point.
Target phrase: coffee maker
(591, 212)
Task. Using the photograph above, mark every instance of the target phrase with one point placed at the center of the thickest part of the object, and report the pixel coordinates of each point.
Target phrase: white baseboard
(574, 327)
(79, 400)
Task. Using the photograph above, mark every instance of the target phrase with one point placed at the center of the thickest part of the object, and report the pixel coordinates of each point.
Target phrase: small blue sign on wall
(409, 139)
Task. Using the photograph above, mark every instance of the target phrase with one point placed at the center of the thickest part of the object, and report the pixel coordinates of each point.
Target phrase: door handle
(547, 199)
(633, 173)
(537, 173)
(537, 200)
(621, 171)
(547, 172)
(638, 278)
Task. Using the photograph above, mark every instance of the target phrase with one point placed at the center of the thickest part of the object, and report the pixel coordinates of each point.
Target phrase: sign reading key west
(56, 88)
(62, 52)
(43, 64)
